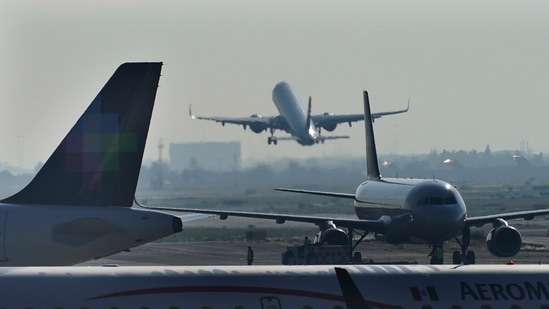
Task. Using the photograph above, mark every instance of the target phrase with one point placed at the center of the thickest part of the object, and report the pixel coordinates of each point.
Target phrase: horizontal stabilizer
(323, 138)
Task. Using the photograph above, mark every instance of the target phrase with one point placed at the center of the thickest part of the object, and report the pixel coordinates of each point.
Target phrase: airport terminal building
(211, 156)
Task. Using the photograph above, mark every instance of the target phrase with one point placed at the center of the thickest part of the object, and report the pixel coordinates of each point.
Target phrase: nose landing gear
(464, 256)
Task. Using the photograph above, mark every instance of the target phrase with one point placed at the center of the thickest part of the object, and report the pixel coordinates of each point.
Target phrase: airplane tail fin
(371, 152)
(309, 108)
(351, 294)
(98, 162)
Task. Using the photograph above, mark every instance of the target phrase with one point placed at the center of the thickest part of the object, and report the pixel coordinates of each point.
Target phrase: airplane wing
(321, 138)
(324, 193)
(375, 226)
(184, 218)
(381, 114)
(194, 217)
(470, 221)
(327, 120)
(263, 122)
(527, 215)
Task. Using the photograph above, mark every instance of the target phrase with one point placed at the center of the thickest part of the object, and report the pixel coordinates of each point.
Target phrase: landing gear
(468, 258)
(271, 139)
(465, 256)
(356, 256)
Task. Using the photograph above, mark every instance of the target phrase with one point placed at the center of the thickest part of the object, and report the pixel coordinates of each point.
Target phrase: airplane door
(270, 303)
(3, 237)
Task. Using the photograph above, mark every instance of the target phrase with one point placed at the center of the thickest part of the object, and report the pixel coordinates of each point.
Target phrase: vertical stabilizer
(351, 294)
(371, 152)
(308, 123)
(98, 162)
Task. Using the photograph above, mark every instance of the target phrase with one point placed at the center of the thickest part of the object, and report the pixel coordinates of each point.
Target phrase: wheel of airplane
(456, 257)
(470, 257)
(269, 140)
(357, 257)
(275, 141)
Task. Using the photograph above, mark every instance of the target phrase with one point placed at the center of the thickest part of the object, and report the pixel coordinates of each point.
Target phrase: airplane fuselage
(292, 111)
(66, 235)
(345, 286)
(426, 210)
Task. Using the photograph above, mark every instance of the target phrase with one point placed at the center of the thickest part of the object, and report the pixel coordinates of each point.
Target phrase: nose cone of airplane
(438, 210)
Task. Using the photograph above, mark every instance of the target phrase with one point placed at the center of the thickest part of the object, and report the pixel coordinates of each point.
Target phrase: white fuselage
(429, 210)
(66, 235)
(377, 286)
(290, 108)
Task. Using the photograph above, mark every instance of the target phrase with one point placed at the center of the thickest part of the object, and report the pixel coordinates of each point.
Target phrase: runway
(535, 251)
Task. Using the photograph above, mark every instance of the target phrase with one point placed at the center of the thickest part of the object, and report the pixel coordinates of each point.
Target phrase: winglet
(98, 162)
(371, 152)
(191, 112)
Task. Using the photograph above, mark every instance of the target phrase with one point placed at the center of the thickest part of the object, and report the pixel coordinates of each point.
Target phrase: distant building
(212, 156)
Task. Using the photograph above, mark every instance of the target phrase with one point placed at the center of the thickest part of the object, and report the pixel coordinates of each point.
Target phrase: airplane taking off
(399, 210)
(276, 287)
(78, 207)
(303, 127)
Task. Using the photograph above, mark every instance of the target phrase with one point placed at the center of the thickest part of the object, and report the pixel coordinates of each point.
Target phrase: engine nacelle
(332, 236)
(504, 241)
(329, 126)
(258, 127)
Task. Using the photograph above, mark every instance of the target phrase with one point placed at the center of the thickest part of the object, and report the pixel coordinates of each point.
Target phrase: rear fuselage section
(290, 108)
(44, 235)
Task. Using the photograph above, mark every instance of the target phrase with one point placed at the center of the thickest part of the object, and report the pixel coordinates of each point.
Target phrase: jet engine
(257, 127)
(332, 236)
(504, 241)
(329, 126)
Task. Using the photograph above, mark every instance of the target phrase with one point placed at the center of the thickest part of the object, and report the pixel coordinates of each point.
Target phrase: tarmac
(535, 250)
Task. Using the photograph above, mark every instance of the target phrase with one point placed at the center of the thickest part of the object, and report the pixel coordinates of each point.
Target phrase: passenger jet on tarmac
(399, 210)
(303, 127)
(78, 207)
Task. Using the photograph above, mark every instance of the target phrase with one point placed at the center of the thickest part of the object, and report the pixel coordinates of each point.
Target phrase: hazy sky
(476, 71)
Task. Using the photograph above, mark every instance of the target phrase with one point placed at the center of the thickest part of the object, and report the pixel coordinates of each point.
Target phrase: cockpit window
(426, 200)
(450, 200)
(423, 201)
(436, 200)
